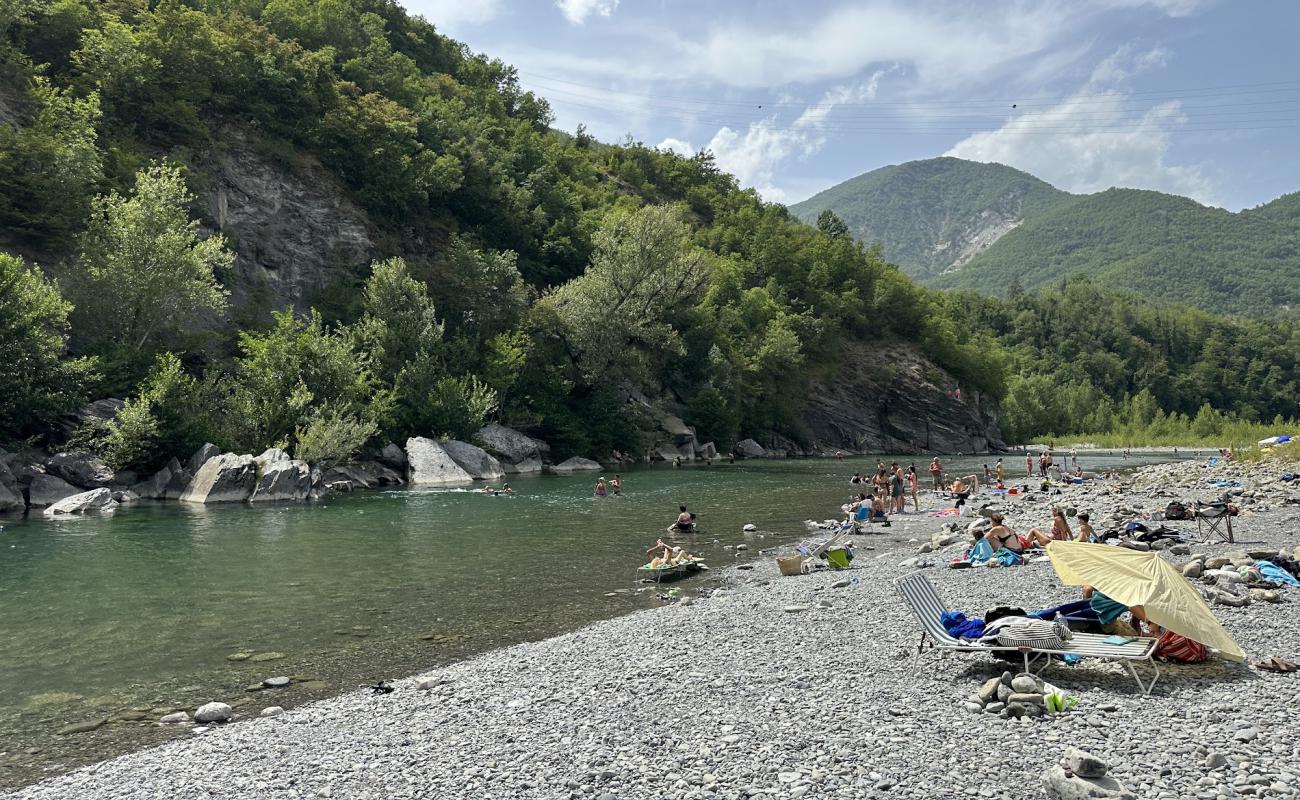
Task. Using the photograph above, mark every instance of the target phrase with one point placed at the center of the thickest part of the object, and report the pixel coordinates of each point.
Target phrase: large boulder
(750, 449)
(155, 486)
(283, 482)
(430, 464)
(46, 490)
(201, 456)
(1060, 784)
(93, 415)
(11, 498)
(80, 468)
(707, 450)
(474, 460)
(509, 445)
(676, 428)
(95, 501)
(393, 456)
(577, 464)
(362, 474)
(528, 465)
(227, 478)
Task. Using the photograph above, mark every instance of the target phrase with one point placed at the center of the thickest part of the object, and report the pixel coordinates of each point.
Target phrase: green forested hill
(1160, 245)
(929, 215)
(958, 224)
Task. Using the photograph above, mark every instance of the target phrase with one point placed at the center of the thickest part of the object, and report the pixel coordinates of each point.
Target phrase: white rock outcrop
(227, 478)
(475, 460)
(283, 482)
(429, 464)
(95, 501)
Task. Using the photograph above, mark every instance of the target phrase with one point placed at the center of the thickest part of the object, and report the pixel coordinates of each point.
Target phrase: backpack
(1175, 510)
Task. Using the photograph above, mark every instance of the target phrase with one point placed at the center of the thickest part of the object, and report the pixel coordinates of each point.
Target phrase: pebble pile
(786, 687)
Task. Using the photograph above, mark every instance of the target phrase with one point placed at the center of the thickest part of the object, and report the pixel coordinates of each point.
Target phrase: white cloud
(577, 11)
(449, 15)
(677, 146)
(1094, 139)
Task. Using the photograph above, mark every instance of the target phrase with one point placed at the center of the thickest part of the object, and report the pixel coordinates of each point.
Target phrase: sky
(1194, 97)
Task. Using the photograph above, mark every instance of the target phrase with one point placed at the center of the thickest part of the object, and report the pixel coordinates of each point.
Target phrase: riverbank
(731, 695)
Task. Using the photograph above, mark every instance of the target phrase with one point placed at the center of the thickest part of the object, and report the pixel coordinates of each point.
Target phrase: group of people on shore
(999, 535)
(893, 483)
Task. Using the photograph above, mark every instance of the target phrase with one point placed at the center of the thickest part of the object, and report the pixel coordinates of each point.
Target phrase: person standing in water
(616, 485)
(600, 487)
(997, 469)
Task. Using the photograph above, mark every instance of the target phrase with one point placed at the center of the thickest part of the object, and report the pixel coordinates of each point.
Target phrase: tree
(398, 324)
(143, 275)
(831, 225)
(36, 383)
(618, 314)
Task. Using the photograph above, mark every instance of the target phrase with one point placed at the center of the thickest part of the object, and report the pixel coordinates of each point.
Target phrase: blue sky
(1194, 97)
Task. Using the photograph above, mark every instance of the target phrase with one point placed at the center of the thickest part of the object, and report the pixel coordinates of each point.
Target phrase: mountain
(932, 216)
(1020, 232)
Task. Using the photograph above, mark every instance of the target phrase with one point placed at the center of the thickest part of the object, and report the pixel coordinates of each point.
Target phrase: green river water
(120, 618)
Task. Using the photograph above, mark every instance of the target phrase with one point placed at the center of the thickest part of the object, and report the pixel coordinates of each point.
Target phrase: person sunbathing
(1110, 610)
(1060, 531)
(999, 536)
(1086, 531)
(669, 555)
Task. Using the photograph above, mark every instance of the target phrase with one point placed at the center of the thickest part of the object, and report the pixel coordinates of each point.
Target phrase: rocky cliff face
(294, 229)
(897, 403)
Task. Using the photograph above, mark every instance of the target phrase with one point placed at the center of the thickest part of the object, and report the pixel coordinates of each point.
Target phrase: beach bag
(1175, 647)
(1038, 634)
(1175, 510)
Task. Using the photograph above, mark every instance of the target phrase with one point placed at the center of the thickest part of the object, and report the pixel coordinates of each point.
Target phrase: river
(121, 618)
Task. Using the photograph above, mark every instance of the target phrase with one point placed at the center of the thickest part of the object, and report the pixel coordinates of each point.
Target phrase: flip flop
(1275, 664)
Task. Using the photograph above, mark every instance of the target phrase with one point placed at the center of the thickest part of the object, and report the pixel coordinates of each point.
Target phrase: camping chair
(1215, 518)
(919, 595)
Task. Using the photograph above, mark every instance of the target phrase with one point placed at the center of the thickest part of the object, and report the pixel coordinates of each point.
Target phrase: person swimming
(685, 521)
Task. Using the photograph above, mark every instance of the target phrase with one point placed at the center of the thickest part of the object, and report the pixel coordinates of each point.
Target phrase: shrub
(332, 437)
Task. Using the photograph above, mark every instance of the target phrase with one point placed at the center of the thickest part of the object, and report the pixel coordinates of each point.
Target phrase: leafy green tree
(143, 274)
(37, 383)
(832, 225)
(332, 437)
(714, 418)
(399, 324)
(49, 164)
(618, 315)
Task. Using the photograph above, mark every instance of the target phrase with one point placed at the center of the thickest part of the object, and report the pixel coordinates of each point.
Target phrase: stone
(393, 457)
(576, 464)
(11, 498)
(509, 445)
(263, 657)
(201, 457)
(707, 451)
(525, 467)
(93, 414)
(270, 456)
(429, 464)
(974, 708)
(1024, 683)
(225, 478)
(46, 490)
(175, 718)
(1218, 562)
(272, 711)
(1215, 760)
(474, 460)
(1193, 569)
(239, 656)
(278, 682)
(749, 448)
(80, 468)
(842, 583)
(81, 727)
(1059, 785)
(1180, 549)
(1084, 764)
(96, 501)
(1004, 692)
(1246, 735)
(989, 691)
(994, 707)
(749, 527)
(283, 481)
(796, 608)
(1026, 698)
(213, 712)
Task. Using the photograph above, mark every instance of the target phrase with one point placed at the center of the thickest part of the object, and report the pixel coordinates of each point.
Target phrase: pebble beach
(754, 684)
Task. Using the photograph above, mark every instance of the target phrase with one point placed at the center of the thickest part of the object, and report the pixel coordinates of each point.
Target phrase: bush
(131, 439)
(457, 407)
(332, 437)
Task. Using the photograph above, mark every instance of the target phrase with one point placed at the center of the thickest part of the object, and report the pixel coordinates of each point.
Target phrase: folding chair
(1216, 519)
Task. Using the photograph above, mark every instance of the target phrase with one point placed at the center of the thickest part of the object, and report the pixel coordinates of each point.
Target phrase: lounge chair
(919, 595)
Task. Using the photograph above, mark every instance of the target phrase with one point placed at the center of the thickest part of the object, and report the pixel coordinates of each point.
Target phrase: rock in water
(80, 469)
(227, 478)
(1084, 764)
(430, 464)
(96, 501)
(577, 464)
(393, 457)
(511, 447)
(283, 482)
(278, 682)
(176, 718)
(11, 499)
(749, 527)
(750, 448)
(1061, 786)
(46, 490)
(474, 460)
(213, 712)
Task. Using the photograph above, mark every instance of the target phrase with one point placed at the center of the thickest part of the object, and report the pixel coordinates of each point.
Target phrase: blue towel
(1275, 574)
(980, 552)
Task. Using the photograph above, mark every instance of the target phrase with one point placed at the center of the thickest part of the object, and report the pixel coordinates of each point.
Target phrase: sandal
(1275, 664)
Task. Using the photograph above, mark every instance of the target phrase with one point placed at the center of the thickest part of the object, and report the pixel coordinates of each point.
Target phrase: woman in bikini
(1001, 536)
(1060, 530)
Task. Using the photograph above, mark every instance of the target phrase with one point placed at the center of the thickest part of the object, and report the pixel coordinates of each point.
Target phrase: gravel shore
(731, 695)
